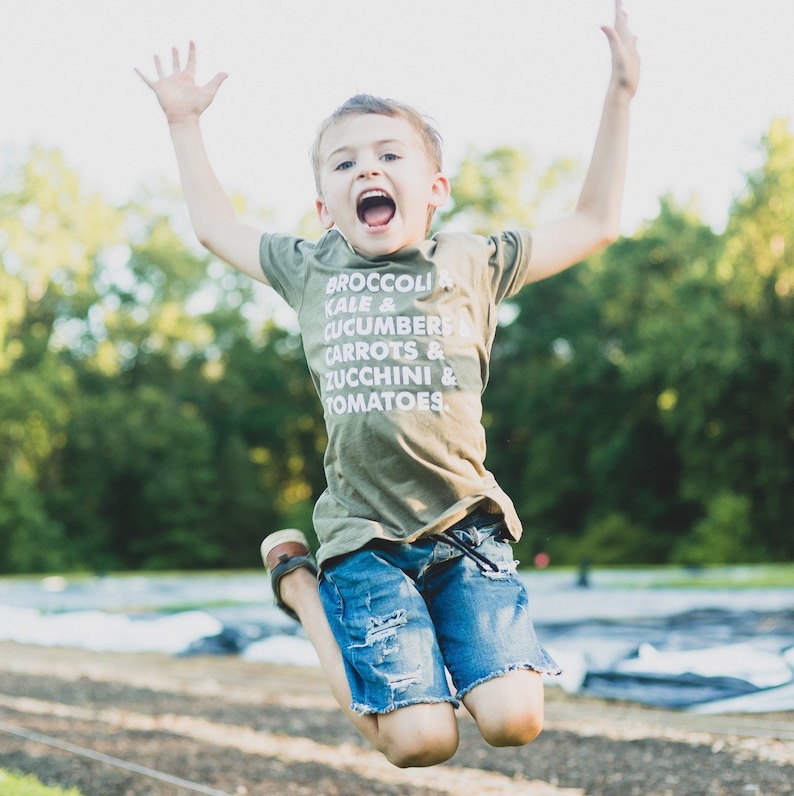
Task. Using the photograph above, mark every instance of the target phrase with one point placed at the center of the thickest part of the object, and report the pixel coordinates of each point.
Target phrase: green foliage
(502, 188)
(13, 784)
(724, 536)
(139, 475)
(612, 540)
(137, 428)
(32, 540)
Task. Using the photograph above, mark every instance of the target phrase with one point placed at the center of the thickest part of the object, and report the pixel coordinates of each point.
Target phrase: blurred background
(155, 411)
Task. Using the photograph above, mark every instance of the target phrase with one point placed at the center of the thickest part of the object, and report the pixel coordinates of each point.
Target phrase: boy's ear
(439, 193)
(323, 214)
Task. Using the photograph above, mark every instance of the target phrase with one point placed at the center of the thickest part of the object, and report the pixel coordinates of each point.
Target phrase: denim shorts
(404, 614)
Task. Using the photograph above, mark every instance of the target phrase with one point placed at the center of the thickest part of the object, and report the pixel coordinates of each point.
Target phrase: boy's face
(377, 183)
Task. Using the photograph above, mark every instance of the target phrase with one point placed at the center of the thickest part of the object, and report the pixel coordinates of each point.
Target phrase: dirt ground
(153, 725)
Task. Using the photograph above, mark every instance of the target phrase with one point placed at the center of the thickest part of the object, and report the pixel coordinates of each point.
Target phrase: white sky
(527, 73)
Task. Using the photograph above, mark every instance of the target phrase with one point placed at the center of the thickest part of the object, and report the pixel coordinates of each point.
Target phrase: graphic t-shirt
(398, 348)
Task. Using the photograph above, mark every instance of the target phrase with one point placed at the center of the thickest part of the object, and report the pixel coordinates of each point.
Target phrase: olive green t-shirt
(398, 348)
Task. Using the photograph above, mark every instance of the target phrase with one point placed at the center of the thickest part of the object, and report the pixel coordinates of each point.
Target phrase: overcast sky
(527, 73)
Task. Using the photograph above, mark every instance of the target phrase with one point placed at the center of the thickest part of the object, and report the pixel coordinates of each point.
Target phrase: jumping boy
(416, 576)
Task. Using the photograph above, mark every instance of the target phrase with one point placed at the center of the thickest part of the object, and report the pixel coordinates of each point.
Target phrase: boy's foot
(283, 552)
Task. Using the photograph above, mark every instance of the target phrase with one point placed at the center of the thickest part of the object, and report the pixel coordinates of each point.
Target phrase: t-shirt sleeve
(283, 262)
(509, 253)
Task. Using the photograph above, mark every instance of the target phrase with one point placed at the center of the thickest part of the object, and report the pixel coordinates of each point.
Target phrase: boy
(416, 573)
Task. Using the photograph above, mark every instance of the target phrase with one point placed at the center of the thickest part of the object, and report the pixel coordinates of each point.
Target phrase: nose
(368, 168)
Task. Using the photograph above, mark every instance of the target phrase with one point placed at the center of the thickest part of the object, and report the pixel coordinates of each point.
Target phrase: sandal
(287, 563)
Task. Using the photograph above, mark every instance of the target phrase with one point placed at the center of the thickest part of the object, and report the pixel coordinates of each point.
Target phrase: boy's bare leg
(417, 735)
(299, 591)
(508, 709)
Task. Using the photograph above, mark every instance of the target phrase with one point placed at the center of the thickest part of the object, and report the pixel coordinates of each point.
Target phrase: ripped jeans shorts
(402, 614)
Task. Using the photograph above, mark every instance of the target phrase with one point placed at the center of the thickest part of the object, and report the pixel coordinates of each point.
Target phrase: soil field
(154, 725)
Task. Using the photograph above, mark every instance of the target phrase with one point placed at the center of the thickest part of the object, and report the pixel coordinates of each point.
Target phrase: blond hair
(366, 103)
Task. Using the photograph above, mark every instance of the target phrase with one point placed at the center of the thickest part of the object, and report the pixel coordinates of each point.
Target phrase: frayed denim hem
(368, 710)
(551, 669)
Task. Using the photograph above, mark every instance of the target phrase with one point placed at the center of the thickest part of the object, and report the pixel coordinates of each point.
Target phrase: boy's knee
(420, 750)
(511, 727)
(421, 735)
(508, 709)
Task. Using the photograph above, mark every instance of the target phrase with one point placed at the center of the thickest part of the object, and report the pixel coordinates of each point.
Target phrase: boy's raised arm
(595, 222)
(211, 212)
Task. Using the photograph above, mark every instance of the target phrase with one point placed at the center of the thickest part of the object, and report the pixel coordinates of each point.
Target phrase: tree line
(153, 413)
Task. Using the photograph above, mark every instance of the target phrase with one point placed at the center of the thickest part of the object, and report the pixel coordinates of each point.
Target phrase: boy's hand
(179, 96)
(625, 58)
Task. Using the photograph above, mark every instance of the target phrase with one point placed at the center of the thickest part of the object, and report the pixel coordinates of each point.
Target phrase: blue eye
(344, 165)
(389, 157)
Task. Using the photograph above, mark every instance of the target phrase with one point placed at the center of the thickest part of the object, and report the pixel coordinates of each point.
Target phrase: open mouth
(376, 208)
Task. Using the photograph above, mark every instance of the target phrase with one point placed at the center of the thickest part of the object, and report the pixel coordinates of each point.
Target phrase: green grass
(736, 576)
(751, 576)
(13, 784)
(733, 576)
